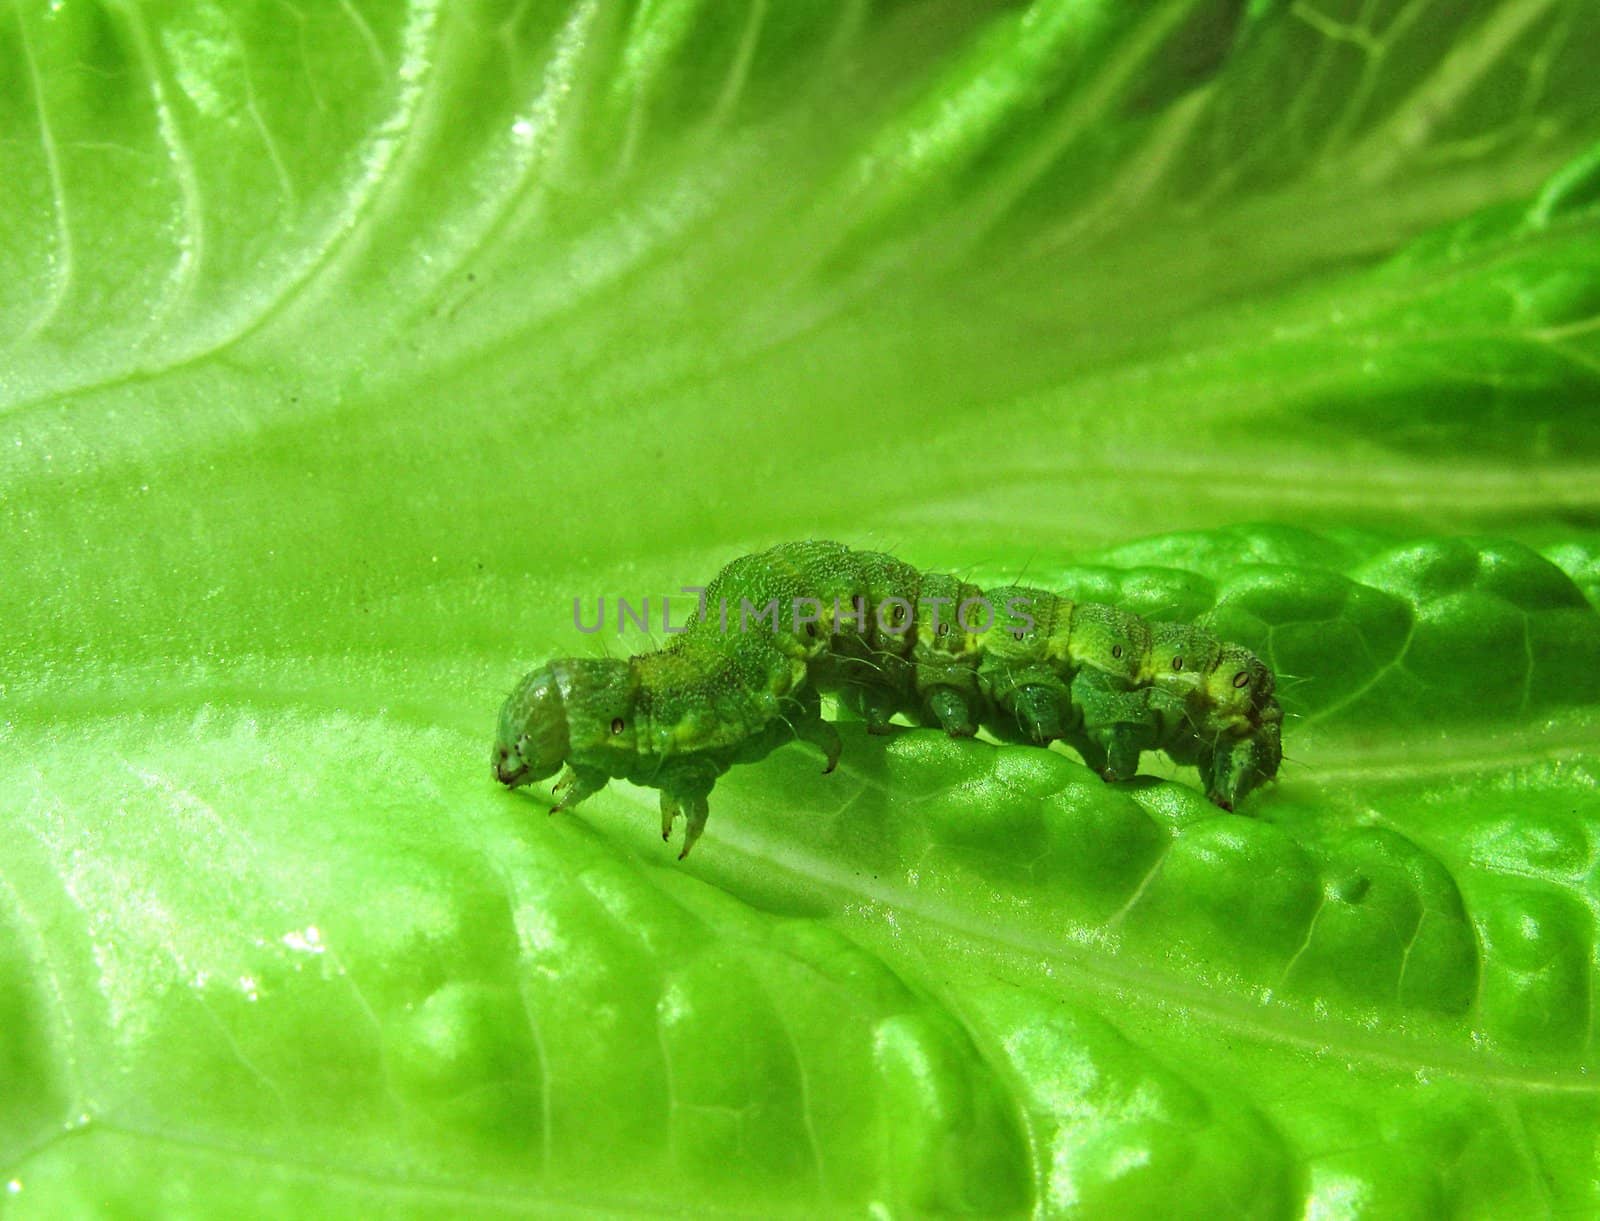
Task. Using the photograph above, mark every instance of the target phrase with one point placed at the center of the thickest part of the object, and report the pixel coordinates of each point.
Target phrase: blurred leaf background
(346, 343)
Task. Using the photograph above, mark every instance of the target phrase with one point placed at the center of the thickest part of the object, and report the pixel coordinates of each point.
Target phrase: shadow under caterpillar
(748, 672)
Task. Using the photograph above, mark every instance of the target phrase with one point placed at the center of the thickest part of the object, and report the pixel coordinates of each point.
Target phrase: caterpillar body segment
(779, 629)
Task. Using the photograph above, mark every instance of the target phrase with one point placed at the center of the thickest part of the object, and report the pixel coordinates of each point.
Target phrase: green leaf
(345, 345)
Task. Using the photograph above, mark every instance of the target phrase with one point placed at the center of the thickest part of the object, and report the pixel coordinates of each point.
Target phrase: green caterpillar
(778, 630)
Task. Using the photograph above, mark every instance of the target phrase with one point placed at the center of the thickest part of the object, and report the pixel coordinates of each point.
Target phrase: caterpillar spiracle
(815, 618)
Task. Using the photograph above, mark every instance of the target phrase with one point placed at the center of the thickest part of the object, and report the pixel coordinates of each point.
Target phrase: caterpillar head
(1181, 658)
(1239, 686)
(1110, 640)
(577, 707)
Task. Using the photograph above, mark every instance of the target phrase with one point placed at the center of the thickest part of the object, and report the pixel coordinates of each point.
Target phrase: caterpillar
(747, 673)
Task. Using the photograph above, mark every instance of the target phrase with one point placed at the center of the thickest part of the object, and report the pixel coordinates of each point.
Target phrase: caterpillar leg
(1120, 747)
(687, 792)
(950, 707)
(873, 705)
(1228, 777)
(696, 810)
(824, 736)
(1242, 764)
(1041, 713)
(1094, 755)
(1118, 725)
(575, 784)
(806, 720)
(1113, 751)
